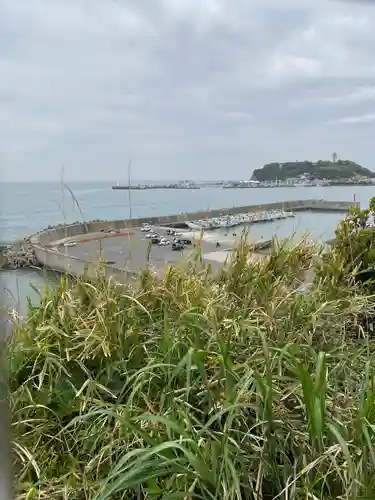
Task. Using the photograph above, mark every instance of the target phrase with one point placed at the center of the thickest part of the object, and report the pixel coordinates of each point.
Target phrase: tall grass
(229, 386)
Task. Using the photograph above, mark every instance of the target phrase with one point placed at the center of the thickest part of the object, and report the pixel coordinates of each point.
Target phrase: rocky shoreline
(17, 256)
(21, 253)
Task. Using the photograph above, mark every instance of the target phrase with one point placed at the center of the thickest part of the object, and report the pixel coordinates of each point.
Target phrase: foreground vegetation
(234, 386)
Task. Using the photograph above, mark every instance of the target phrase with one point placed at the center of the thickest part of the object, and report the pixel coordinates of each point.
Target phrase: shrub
(353, 250)
(227, 387)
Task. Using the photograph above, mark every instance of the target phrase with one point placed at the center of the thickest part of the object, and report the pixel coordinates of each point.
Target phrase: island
(322, 172)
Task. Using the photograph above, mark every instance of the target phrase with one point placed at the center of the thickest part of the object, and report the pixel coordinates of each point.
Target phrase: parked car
(145, 228)
(70, 244)
(164, 242)
(177, 245)
(150, 236)
(171, 232)
(183, 241)
(155, 240)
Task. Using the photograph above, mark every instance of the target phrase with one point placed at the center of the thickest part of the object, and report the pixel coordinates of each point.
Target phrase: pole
(129, 193)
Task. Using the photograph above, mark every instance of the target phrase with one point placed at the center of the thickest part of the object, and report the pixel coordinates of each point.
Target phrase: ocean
(29, 207)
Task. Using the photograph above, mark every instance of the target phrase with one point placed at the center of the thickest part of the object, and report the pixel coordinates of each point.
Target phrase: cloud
(182, 87)
(360, 119)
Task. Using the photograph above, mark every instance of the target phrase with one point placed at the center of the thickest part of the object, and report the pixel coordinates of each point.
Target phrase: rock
(20, 254)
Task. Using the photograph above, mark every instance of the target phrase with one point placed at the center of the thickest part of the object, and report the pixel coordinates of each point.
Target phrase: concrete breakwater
(21, 254)
(59, 232)
(37, 250)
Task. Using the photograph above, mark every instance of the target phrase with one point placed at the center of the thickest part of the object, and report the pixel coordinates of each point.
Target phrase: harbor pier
(83, 258)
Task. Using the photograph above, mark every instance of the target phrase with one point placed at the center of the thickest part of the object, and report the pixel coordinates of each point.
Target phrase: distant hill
(340, 169)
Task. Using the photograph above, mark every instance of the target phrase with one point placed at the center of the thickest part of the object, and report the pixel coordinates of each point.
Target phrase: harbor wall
(58, 261)
(51, 235)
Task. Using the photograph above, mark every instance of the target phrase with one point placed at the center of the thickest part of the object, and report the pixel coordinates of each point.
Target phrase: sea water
(28, 207)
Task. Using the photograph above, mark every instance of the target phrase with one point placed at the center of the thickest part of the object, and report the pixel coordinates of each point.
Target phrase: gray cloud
(187, 88)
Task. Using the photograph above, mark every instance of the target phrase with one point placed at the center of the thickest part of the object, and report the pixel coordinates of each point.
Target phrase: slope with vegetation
(229, 386)
(353, 250)
(340, 169)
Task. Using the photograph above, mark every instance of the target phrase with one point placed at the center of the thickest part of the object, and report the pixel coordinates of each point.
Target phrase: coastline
(29, 207)
(32, 206)
(41, 250)
(332, 185)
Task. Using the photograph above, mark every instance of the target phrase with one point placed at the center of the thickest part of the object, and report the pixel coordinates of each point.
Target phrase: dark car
(186, 242)
(155, 240)
(177, 245)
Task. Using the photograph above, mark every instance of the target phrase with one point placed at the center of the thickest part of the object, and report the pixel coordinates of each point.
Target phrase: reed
(228, 386)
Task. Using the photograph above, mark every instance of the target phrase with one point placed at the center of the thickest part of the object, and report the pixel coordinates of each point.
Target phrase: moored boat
(228, 221)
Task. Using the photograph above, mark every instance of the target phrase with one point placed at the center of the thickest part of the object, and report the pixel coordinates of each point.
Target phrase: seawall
(75, 266)
(70, 230)
(58, 261)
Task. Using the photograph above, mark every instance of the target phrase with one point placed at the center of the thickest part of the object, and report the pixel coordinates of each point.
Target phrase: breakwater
(156, 186)
(45, 256)
(18, 255)
(50, 235)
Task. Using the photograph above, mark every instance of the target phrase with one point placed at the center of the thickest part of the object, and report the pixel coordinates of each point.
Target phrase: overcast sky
(200, 89)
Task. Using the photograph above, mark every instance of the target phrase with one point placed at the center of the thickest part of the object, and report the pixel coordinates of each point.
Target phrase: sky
(188, 89)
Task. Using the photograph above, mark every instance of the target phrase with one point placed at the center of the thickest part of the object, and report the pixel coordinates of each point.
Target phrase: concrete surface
(126, 256)
(131, 252)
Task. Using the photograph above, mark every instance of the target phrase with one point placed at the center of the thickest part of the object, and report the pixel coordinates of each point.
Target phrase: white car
(149, 236)
(70, 244)
(164, 242)
(145, 228)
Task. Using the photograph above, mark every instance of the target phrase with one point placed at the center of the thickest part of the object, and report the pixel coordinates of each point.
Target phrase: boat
(129, 188)
(193, 225)
(225, 222)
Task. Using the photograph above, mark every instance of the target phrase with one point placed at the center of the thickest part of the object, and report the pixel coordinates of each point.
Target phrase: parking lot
(131, 250)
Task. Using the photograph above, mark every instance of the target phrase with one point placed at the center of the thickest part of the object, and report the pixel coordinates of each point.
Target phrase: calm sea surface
(26, 208)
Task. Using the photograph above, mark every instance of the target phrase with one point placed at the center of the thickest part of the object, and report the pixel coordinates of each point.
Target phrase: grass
(197, 386)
